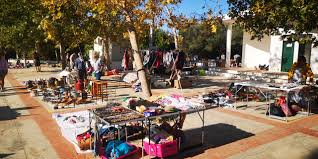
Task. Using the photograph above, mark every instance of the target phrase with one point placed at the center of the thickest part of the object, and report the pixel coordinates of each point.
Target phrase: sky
(195, 7)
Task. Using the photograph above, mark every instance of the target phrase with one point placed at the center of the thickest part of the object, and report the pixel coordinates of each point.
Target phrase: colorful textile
(299, 74)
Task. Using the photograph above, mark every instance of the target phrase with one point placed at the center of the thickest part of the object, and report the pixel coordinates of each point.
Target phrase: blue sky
(194, 7)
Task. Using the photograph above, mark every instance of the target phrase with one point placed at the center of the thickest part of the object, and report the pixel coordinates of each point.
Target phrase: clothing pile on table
(180, 102)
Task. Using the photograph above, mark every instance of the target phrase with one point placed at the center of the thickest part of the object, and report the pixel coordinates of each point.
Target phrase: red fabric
(112, 72)
(126, 58)
(159, 57)
(283, 104)
(79, 86)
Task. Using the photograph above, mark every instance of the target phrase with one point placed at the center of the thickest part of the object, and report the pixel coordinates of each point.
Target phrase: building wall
(269, 51)
(255, 52)
(276, 49)
(116, 54)
(314, 59)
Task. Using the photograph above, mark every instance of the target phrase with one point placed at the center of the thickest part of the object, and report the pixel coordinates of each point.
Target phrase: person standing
(223, 60)
(3, 71)
(125, 61)
(73, 57)
(237, 60)
(80, 67)
(178, 64)
(37, 62)
(97, 65)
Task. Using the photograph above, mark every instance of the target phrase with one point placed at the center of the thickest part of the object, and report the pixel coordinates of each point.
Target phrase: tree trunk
(63, 56)
(57, 56)
(175, 36)
(141, 72)
(106, 51)
(25, 60)
(151, 34)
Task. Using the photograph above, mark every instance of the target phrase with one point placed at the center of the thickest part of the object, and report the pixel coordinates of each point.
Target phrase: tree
(67, 23)
(207, 41)
(19, 25)
(294, 19)
(162, 40)
(132, 15)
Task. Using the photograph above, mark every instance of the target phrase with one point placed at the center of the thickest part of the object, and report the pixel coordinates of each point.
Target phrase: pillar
(228, 46)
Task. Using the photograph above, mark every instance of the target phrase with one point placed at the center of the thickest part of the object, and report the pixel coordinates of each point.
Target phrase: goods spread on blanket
(73, 124)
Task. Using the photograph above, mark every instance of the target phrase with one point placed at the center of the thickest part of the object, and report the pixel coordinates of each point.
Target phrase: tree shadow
(6, 113)
(215, 136)
(3, 155)
(3, 94)
(313, 154)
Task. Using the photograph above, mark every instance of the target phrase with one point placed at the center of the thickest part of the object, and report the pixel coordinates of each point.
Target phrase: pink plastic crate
(161, 150)
(131, 155)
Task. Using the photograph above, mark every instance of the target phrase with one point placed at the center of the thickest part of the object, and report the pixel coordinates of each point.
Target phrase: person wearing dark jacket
(80, 67)
(178, 64)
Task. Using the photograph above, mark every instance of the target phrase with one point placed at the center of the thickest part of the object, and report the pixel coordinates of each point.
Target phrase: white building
(276, 53)
(272, 51)
(116, 51)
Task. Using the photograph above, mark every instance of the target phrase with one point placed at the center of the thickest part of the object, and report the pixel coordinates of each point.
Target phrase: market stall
(270, 92)
(162, 139)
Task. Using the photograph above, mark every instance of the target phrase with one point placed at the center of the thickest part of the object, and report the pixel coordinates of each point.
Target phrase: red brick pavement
(66, 151)
(44, 120)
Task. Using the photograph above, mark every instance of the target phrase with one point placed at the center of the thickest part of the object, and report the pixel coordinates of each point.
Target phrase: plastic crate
(161, 150)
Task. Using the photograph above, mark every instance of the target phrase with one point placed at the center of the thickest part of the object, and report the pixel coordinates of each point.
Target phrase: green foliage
(200, 40)
(261, 18)
(162, 40)
(68, 23)
(19, 24)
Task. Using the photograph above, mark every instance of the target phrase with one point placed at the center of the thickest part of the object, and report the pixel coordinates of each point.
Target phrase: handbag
(275, 110)
(283, 104)
(85, 140)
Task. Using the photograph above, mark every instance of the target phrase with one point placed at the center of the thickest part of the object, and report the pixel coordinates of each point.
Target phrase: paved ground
(28, 131)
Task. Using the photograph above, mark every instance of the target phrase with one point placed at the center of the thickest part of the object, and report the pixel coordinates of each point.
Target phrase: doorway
(305, 50)
(287, 55)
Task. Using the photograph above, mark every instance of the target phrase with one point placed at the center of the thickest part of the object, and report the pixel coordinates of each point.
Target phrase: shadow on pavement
(3, 155)
(3, 94)
(6, 113)
(313, 155)
(215, 136)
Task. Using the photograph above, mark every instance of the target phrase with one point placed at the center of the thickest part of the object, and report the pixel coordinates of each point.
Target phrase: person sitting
(299, 72)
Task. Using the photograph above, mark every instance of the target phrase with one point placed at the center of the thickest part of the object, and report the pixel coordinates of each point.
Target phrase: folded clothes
(117, 148)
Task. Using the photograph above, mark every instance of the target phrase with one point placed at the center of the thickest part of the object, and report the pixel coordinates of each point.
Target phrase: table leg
(202, 135)
(142, 140)
(149, 125)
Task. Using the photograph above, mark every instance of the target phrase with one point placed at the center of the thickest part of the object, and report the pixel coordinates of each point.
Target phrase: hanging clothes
(125, 62)
(168, 59)
(158, 59)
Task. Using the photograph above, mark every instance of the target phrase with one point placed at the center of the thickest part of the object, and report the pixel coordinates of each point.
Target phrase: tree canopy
(294, 19)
